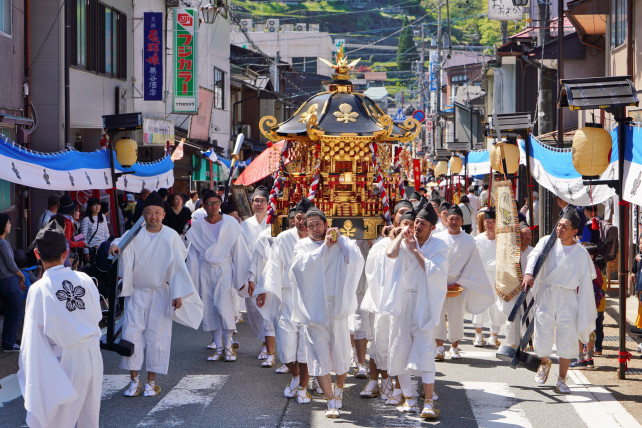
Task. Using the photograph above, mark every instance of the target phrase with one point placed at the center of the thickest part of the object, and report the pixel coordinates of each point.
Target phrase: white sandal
(316, 387)
(219, 355)
(542, 372)
(134, 388)
(410, 405)
(338, 397)
(429, 411)
(395, 398)
(230, 355)
(386, 388)
(151, 390)
(268, 362)
(302, 395)
(562, 387)
(371, 389)
(283, 369)
(262, 353)
(333, 411)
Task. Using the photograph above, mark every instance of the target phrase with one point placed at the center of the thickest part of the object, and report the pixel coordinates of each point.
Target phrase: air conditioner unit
(246, 130)
(314, 28)
(287, 27)
(246, 24)
(301, 27)
(272, 25)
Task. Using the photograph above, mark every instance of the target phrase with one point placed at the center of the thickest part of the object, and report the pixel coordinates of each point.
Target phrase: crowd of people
(318, 302)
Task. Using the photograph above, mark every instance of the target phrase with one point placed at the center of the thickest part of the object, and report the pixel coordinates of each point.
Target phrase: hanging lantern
(511, 152)
(456, 164)
(126, 152)
(592, 150)
(441, 168)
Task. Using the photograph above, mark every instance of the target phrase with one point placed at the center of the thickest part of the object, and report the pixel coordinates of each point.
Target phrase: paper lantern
(511, 152)
(456, 164)
(126, 152)
(441, 168)
(591, 150)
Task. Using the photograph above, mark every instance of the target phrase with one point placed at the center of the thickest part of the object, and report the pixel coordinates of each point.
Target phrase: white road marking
(192, 390)
(595, 405)
(10, 389)
(113, 384)
(494, 405)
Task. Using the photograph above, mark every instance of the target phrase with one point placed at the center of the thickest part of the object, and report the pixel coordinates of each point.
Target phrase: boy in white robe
(325, 274)
(362, 322)
(251, 229)
(486, 245)
(218, 261)
(443, 217)
(61, 367)
(564, 300)
(275, 300)
(465, 270)
(371, 302)
(158, 289)
(415, 274)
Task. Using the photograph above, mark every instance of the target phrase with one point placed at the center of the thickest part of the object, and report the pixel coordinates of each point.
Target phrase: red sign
(416, 170)
(83, 196)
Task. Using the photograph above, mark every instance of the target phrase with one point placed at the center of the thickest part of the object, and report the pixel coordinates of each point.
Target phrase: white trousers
(380, 345)
(362, 322)
(492, 315)
(454, 310)
(330, 349)
(291, 341)
(556, 321)
(83, 364)
(147, 324)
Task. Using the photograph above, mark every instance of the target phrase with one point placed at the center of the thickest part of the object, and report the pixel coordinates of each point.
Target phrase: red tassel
(270, 143)
(595, 225)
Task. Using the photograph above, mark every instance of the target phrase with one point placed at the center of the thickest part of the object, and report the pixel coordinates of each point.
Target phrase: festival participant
(443, 215)
(325, 274)
(275, 300)
(465, 270)
(380, 345)
(218, 261)
(362, 322)
(564, 300)
(250, 230)
(61, 368)
(155, 280)
(486, 245)
(413, 294)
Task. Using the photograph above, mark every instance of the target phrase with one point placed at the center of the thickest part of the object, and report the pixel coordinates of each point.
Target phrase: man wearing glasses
(251, 229)
(218, 261)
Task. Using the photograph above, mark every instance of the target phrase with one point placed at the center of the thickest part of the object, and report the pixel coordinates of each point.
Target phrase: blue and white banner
(553, 168)
(225, 163)
(478, 162)
(632, 164)
(70, 170)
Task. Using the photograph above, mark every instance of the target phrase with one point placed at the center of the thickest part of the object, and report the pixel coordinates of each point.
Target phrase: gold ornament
(345, 114)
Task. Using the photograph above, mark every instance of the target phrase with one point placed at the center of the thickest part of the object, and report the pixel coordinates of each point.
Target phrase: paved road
(478, 390)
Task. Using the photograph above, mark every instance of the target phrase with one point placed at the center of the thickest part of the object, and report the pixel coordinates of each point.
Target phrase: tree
(406, 50)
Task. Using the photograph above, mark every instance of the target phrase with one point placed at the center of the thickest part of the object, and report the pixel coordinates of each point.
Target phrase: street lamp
(612, 94)
(209, 11)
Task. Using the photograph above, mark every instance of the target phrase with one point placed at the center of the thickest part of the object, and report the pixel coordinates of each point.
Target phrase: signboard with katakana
(153, 56)
(184, 58)
(504, 10)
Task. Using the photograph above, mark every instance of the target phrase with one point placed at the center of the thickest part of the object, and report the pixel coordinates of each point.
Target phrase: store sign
(157, 131)
(504, 10)
(200, 124)
(184, 58)
(153, 56)
(201, 169)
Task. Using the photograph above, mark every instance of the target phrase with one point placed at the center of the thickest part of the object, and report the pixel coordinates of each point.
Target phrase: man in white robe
(414, 292)
(465, 270)
(218, 261)
(362, 322)
(158, 290)
(443, 216)
(564, 300)
(275, 300)
(251, 229)
(486, 246)
(325, 274)
(61, 367)
(380, 345)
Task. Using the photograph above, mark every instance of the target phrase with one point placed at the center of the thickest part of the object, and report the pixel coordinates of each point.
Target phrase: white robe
(362, 322)
(507, 307)
(260, 256)
(61, 367)
(564, 301)
(154, 274)
(325, 282)
(251, 229)
(487, 252)
(220, 267)
(414, 295)
(291, 343)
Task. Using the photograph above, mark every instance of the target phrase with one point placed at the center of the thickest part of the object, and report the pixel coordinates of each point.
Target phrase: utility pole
(421, 71)
(560, 69)
(438, 77)
(504, 28)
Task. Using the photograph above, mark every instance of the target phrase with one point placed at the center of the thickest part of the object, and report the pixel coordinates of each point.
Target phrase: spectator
(191, 202)
(69, 208)
(636, 278)
(104, 210)
(474, 200)
(483, 196)
(53, 203)
(525, 209)
(469, 213)
(177, 215)
(129, 211)
(140, 204)
(95, 230)
(12, 281)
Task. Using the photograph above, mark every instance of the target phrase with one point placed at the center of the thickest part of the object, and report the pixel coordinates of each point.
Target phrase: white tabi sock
(227, 337)
(217, 335)
(294, 382)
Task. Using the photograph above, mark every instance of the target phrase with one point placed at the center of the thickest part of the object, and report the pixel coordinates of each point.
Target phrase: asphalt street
(478, 390)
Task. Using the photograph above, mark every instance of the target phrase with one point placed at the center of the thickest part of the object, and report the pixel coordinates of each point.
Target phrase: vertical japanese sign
(185, 78)
(416, 172)
(153, 56)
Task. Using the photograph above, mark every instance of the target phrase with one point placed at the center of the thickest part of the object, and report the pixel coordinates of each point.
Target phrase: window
(219, 88)
(100, 33)
(306, 64)
(458, 79)
(618, 22)
(5, 16)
